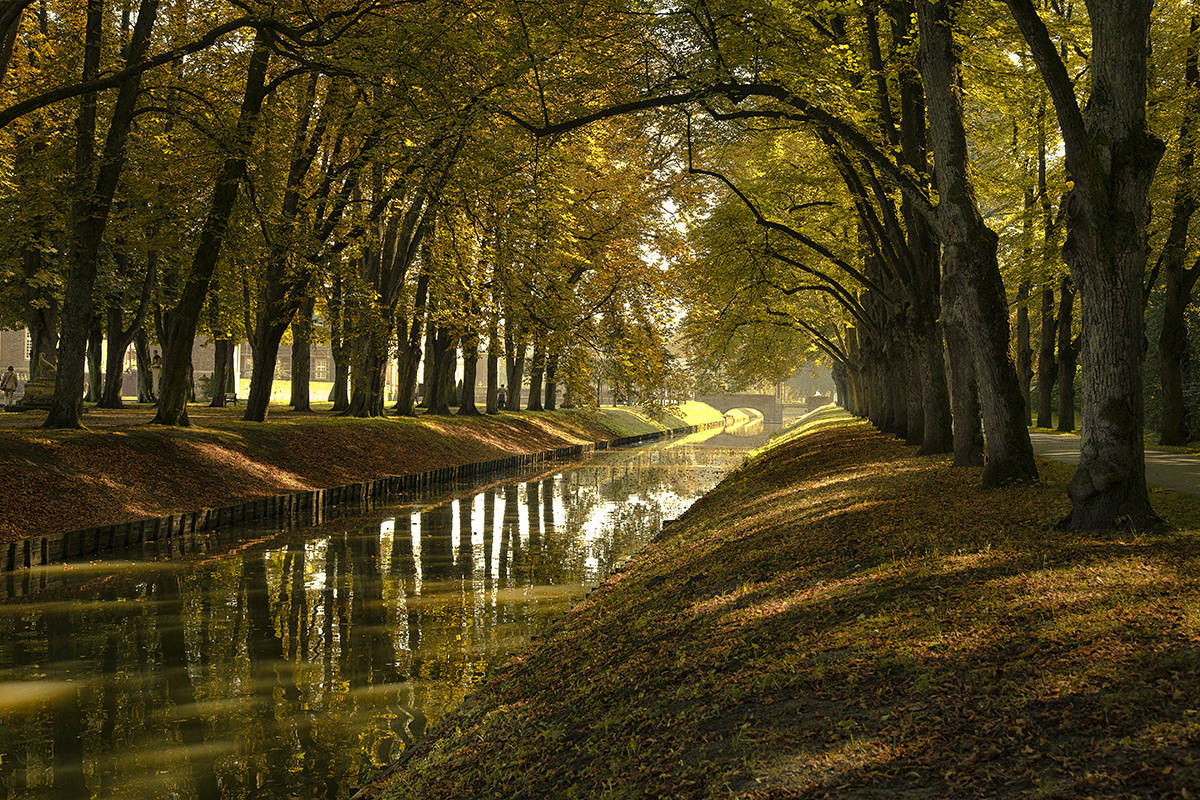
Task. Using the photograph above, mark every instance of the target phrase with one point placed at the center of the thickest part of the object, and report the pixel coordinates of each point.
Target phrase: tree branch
(141, 65)
(1054, 73)
(133, 69)
(803, 111)
(786, 230)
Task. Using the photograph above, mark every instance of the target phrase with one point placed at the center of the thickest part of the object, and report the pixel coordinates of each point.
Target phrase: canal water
(276, 663)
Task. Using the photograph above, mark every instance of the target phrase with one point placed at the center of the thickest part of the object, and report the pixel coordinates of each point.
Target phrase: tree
(93, 200)
(182, 320)
(969, 248)
(302, 341)
(35, 207)
(1111, 156)
(756, 303)
(118, 334)
(1179, 279)
(307, 214)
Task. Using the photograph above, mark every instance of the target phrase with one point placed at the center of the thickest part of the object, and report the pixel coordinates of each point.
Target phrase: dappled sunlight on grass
(820, 491)
(808, 769)
(549, 426)
(495, 434)
(224, 458)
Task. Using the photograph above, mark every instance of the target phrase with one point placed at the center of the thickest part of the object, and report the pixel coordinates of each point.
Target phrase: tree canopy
(626, 193)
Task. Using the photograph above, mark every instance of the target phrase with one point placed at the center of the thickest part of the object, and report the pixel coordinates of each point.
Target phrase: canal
(286, 662)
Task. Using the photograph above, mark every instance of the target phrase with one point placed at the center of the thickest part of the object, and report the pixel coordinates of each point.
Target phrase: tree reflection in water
(292, 662)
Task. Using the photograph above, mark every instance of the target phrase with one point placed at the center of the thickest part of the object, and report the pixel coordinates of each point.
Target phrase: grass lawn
(842, 618)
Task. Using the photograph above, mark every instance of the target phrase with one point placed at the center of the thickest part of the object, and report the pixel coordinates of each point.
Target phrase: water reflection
(291, 662)
(746, 422)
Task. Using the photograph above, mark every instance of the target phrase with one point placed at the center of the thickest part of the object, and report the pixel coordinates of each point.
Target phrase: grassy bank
(122, 468)
(842, 618)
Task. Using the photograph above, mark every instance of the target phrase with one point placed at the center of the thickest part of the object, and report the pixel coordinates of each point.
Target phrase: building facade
(14, 352)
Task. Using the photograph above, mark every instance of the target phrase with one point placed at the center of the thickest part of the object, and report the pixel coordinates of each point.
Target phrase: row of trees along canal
(886, 184)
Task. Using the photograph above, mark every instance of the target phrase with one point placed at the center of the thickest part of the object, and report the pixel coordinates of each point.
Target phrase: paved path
(1179, 472)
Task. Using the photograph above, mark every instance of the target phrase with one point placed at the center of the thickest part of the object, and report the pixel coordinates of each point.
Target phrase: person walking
(8, 383)
(500, 398)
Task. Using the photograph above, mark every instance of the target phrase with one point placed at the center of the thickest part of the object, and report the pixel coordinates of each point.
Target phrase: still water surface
(275, 664)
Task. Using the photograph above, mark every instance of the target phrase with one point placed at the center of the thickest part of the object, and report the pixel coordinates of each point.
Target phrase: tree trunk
(262, 378)
(114, 362)
(1112, 157)
(1024, 349)
(120, 337)
(181, 322)
(429, 372)
(969, 251)
(302, 356)
(95, 357)
(879, 380)
(1066, 358)
(1009, 453)
(913, 249)
(277, 303)
(1108, 489)
(442, 394)
(914, 431)
(937, 426)
(897, 382)
(857, 398)
(272, 318)
(369, 375)
(536, 369)
(375, 326)
(41, 312)
(551, 382)
(222, 352)
(401, 326)
(91, 209)
(406, 382)
(230, 385)
(1047, 366)
(968, 428)
(145, 375)
(493, 382)
(1172, 351)
(410, 361)
(1179, 282)
(85, 232)
(339, 392)
(466, 406)
(516, 377)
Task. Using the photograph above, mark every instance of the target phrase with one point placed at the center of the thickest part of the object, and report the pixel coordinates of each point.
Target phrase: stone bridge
(771, 408)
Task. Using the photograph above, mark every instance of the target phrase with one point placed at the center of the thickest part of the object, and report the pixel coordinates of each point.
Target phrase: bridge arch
(771, 408)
